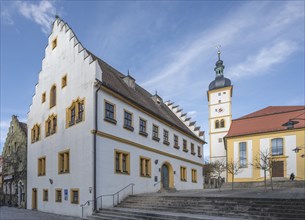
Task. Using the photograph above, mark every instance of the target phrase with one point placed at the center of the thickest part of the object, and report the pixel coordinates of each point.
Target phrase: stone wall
(14, 165)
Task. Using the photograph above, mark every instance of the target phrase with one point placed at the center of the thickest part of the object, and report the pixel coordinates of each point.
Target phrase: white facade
(290, 143)
(220, 101)
(70, 59)
(246, 172)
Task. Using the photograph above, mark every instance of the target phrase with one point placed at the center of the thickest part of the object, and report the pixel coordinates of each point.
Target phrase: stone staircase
(277, 183)
(152, 206)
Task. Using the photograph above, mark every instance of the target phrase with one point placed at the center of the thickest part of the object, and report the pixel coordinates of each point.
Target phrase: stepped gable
(267, 120)
(64, 27)
(113, 79)
(186, 120)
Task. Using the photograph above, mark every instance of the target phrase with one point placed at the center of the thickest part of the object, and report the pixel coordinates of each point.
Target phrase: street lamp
(290, 125)
(297, 149)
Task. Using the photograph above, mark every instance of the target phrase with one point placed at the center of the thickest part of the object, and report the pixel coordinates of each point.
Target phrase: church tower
(220, 113)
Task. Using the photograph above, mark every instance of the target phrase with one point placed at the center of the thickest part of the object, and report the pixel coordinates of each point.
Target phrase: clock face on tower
(219, 110)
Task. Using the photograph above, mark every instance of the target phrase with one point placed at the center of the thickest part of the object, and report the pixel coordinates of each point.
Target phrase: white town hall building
(93, 131)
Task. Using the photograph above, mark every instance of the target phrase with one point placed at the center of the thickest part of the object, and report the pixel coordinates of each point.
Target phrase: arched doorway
(167, 176)
(20, 194)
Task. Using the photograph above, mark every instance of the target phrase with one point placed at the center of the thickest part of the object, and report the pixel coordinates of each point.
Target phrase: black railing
(114, 195)
(157, 182)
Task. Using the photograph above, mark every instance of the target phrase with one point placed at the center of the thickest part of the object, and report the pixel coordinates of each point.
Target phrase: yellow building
(267, 131)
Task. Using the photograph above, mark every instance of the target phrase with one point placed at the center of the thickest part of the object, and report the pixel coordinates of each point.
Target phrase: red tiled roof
(267, 120)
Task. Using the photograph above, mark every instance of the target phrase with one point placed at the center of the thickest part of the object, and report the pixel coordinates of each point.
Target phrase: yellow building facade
(264, 132)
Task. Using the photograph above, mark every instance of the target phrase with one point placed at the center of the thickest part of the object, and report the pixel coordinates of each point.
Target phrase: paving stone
(10, 213)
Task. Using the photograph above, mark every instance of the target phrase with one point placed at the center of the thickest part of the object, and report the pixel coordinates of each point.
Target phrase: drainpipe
(94, 150)
(225, 143)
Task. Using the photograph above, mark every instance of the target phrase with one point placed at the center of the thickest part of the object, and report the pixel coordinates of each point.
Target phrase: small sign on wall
(66, 194)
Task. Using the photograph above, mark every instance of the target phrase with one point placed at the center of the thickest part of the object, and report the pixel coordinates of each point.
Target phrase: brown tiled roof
(267, 120)
(113, 79)
(272, 110)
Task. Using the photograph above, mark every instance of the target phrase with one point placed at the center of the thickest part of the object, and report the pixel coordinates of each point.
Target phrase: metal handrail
(157, 183)
(113, 195)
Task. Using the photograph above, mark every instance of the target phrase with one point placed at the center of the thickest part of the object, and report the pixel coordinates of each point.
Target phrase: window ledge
(128, 127)
(145, 176)
(111, 120)
(194, 181)
(177, 147)
(143, 133)
(120, 172)
(156, 138)
(62, 172)
(79, 120)
(278, 156)
(71, 123)
(166, 143)
(193, 153)
(185, 150)
(199, 156)
(183, 180)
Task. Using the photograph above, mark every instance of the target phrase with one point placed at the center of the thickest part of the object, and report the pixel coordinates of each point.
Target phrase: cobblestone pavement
(10, 213)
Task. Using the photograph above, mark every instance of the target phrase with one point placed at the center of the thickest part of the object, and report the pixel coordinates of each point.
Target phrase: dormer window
(157, 99)
(130, 81)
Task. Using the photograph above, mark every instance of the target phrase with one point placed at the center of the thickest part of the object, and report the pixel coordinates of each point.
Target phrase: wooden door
(34, 198)
(165, 176)
(278, 169)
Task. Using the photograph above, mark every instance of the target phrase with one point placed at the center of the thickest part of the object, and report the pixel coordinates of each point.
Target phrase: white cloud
(192, 114)
(42, 13)
(6, 17)
(264, 59)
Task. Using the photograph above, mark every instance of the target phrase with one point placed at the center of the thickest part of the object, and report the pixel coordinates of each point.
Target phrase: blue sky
(168, 46)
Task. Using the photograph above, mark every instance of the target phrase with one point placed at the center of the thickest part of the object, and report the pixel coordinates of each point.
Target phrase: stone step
(155, 214)
(217, 201)
(295, 206)
(115, 216)
(224, 211)
(133, 214)
(134, 197)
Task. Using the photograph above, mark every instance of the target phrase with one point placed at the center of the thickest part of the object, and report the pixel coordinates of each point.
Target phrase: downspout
(225, 143)
(94, 150)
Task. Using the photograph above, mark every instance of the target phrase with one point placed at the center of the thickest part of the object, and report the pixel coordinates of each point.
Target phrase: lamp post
(290, 125)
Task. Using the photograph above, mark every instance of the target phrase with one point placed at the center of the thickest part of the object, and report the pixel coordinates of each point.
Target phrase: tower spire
(220, 81)
(218, 52)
